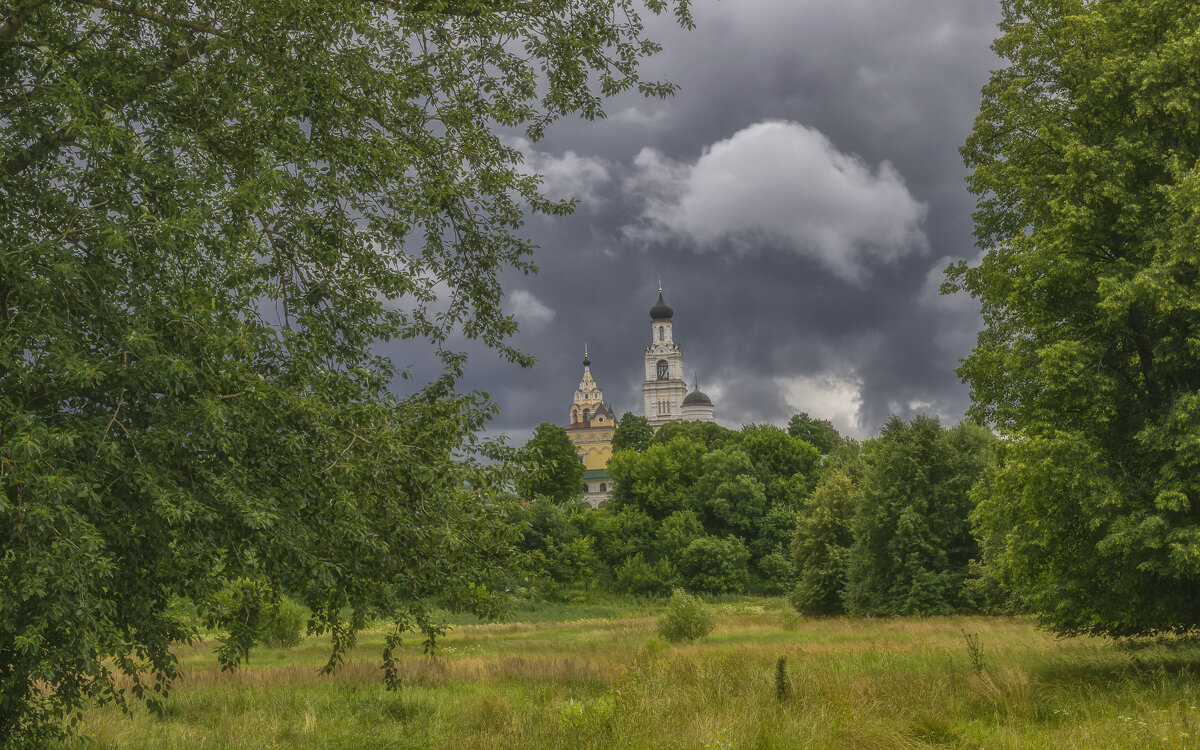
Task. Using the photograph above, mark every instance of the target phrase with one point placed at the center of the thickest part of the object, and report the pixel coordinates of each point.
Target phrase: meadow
(598, 676)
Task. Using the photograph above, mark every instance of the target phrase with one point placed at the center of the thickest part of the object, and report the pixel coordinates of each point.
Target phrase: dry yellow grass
(611, 683)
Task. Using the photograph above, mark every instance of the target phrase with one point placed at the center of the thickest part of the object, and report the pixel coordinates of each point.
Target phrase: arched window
(585, 489)
(603, 487)
(662, 369)
(587, 416)
(661, 333)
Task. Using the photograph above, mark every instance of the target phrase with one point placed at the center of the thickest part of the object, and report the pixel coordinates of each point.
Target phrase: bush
(687, 618)
(285, 626)
(636, 576)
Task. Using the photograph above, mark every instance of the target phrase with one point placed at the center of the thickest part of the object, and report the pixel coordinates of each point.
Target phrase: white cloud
(638, 118)
(832, 397)
(781, 182)
(566, 176)
(528, 309)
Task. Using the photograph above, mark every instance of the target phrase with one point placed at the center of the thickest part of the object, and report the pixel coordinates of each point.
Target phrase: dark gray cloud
(799, 196)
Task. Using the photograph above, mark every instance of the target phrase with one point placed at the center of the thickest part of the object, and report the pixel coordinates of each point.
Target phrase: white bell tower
(664, 389)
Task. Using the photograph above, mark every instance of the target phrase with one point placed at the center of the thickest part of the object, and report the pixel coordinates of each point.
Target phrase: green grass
(597, 676)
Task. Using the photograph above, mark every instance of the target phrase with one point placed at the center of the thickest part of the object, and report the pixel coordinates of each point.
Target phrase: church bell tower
(664, 388)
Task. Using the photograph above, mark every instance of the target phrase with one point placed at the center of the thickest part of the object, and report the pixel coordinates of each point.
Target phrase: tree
(912, 537)
(553, 467)
(774, 532)
(211, 217)
(1086, 161)
(657, 480)
(676, 532)
(549, 531)
(819, 433)
(709, 434)
(714, 565)
(622, 534)
(786, 466)
(633, 433)
(821, 544)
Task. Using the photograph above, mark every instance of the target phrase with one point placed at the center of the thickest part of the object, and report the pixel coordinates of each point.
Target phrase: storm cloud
(799, 196)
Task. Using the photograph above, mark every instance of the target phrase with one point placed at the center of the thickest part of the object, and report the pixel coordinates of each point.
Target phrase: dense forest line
(878, 527)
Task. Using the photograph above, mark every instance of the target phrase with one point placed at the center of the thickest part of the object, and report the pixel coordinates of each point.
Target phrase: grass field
(598, 677)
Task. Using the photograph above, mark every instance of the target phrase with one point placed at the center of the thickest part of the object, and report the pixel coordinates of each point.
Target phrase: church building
(665, 398)
(591, 431)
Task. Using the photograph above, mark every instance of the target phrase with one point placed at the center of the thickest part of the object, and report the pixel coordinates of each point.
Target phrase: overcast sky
(800, 197)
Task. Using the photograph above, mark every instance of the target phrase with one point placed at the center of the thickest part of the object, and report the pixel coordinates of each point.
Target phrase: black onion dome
(697, 397)
(661, 310)
(586, 362)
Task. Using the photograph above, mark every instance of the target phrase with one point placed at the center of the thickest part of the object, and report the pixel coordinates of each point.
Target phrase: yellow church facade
(591, 431)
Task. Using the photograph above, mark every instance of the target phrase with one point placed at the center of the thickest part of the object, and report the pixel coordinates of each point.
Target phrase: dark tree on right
(1084, 159)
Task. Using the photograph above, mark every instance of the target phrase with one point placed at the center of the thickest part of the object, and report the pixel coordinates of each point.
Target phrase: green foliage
(633, 433)
(285, 627)
(709, 434)
(553, 468)
(622, 534)
(636, 576)
(1085, 158)
(658, 480)
(777, 573)
(728, 494)
(715, 565)
(211, 217)
(677, 531)
(696, 480)
(553, 533)
(783, 684)
(775, 531)
(777, 457)
(821, 544)
(687, 618)
(819, 433)
(249, 614)
(787, 469)
(912, 538)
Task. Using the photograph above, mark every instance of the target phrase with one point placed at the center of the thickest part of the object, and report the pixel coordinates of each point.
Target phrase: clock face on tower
(662, 369)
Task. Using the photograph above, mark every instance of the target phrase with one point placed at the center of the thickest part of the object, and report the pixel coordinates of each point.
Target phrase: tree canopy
(212, 213)
(820, 433)
(912, 538)
(553, 468)
(633, 433)
(1085, 158)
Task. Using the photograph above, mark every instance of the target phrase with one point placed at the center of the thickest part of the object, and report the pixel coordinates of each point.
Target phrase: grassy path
(603, 680)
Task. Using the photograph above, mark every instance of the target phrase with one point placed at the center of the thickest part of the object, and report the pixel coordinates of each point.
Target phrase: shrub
(783, 685)
(285, 626)
(637, 576)
(687, 618)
